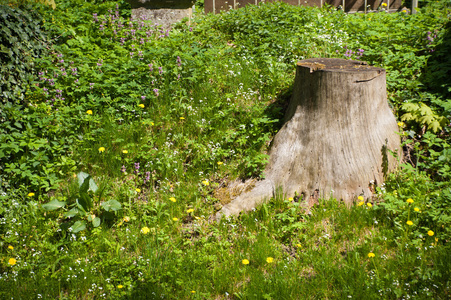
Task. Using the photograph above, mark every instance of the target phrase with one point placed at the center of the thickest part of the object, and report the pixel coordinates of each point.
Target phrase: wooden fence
(216, 6)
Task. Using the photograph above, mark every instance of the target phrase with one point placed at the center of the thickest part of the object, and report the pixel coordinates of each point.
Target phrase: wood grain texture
(333, 143)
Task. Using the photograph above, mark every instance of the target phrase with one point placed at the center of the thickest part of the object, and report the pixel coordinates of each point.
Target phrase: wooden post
(336, 137)
(414, 6)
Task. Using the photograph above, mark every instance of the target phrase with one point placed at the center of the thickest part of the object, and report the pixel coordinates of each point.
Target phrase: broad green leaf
(78, 226)
(71, 213)
(53, 205)
(96, 222)
(111, 205)
(85, 178)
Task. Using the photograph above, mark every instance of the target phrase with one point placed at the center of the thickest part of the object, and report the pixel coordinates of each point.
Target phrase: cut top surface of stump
(337, 65)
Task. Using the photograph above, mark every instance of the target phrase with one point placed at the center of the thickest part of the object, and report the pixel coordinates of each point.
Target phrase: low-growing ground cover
(114, 154)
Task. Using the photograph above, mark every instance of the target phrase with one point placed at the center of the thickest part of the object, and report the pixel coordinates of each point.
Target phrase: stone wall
(162, 12)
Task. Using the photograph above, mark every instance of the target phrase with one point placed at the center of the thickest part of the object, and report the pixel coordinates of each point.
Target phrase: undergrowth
(118, 136)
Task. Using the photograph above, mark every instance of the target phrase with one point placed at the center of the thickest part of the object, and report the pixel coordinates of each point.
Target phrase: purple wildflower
(156, 92)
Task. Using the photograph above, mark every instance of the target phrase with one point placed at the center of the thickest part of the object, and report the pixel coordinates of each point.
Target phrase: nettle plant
(83, 210)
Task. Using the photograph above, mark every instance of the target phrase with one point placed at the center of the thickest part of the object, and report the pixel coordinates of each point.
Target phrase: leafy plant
(83, 209)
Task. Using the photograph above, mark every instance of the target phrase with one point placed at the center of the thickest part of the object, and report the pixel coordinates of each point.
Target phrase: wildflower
(220, 163)
(410, 200)
(12, 261)
(182, 118)
(10, 247)
(89, 112)
(102, 149)
(371, 254)
(269, 260)
(410, 223)
(175, 219)
(124, 151)
(123, 169)
(120, 286)
(190, 210)
(145, 230)
(141, 105)
(172, 199)
(30, 194)
(360, 203)
(205, 182)
(192, 292)
(138, 190)
(126, 219)
(360, 198)
(290, 199)
(245, 262)
(401, 124)
(151, 124)
(299, 245)
(384, 4)
(430, 233)
(369, 205)
(416, 209)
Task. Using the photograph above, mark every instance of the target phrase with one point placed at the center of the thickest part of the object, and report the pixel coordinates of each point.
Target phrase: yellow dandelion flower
(89, 112)
(290, 199)
(220, 163)
(371, 254)
(416, 209)
(175, 219)
(30, 194)
(102, 149)
(125, 151)
(205, 182)
(410, 200)
(369, 205)
(410, 223)
(10, 247)
(172, 199)
(12, 261)
(401, 124)
(182, 118)
(145, 230)
(430, 233)
(384, 4)
(192, 292)
(298, 245)
(152, 123)
(269, 260)
(120, 286)
(190, 210)
(360, 198)
(138, 190)
(141, 105)
(245, 262)
(360, 203)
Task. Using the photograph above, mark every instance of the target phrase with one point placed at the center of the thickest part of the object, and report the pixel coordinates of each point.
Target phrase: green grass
(174, 138)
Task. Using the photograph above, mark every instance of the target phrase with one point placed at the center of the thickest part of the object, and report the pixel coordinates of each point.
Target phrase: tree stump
(335, 140)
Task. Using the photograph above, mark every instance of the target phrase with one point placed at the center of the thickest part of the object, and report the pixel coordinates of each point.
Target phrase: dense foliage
(118, 139)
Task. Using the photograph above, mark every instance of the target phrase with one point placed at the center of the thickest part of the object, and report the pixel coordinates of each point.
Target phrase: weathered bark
(335, 139)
